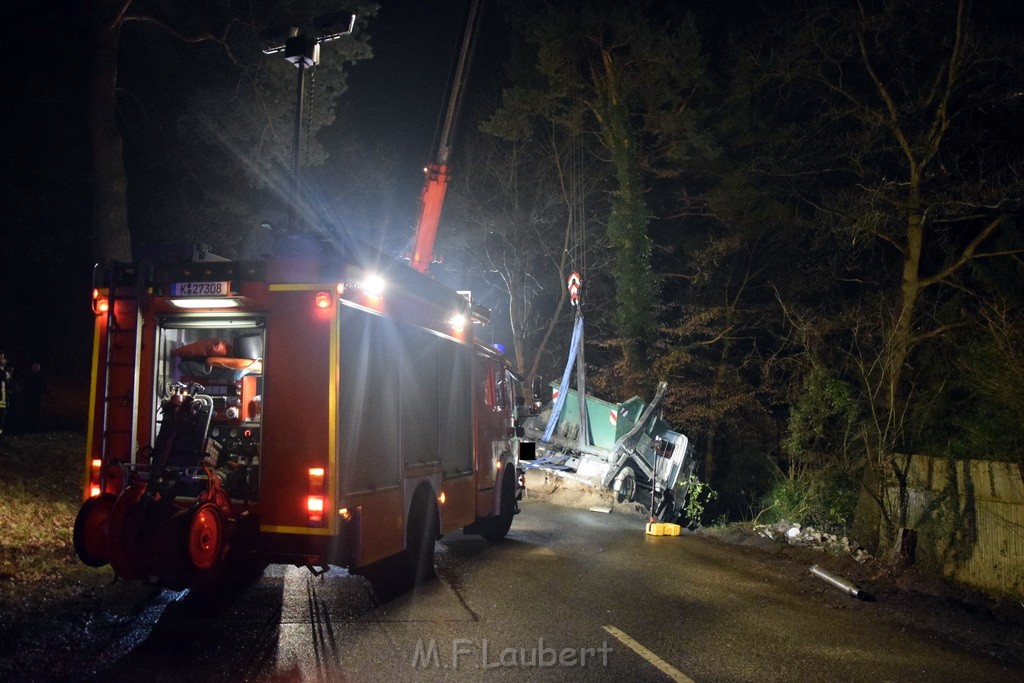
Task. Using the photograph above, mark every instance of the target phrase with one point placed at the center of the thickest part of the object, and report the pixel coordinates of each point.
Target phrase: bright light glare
(458, 322)
(315, 504)
(205, 303)
(374, 285)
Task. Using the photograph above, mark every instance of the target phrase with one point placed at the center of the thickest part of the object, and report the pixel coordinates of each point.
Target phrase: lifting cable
(577, 262)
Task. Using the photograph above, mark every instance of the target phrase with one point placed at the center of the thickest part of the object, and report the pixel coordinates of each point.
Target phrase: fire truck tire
(400, 573)
(123, 531)
(499, 525)
(91, 529)
(420, 540)
(423, 536)
(206, 541)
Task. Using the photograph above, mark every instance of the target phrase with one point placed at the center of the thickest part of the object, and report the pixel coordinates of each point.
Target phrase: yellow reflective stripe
(307, 531)
(332, 420)
(90, 432)
(302, 287)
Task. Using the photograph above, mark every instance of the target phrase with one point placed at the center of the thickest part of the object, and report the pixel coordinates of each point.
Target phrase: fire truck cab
(312, 411)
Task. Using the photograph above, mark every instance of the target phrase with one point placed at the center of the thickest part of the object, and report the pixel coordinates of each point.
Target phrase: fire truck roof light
(458, 322)
(374, 285)
(205, 303)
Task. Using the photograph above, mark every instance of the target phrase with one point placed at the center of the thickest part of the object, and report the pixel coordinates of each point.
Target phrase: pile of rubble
(809, 537)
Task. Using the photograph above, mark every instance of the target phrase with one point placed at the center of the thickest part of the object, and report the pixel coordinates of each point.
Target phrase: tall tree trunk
(635, 284)
(903, 331)
(717, 389)
(110, 238)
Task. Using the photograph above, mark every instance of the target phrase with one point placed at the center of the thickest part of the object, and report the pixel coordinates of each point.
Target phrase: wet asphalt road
(567, 588)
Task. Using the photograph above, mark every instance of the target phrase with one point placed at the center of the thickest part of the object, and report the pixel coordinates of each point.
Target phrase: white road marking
(654, 659)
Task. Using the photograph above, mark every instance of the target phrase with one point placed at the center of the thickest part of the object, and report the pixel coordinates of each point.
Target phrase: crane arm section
(431, 202)
(432, 198)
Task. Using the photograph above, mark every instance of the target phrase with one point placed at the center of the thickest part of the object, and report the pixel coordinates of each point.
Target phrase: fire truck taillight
(94, 478)
(100, 304)
(324, 299)
(315, 499)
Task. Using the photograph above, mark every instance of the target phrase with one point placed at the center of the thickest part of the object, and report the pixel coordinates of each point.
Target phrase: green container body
(604, 430)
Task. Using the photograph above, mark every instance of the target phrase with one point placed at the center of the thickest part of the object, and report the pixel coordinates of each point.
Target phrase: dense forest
(805, 216)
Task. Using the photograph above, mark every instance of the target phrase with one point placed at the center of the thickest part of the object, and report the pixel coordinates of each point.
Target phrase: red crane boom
(436, 185)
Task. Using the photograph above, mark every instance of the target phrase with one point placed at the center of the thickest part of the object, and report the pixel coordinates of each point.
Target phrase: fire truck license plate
(200, 289)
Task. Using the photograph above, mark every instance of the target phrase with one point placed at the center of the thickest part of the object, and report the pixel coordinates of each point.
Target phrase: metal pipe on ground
(839, 582)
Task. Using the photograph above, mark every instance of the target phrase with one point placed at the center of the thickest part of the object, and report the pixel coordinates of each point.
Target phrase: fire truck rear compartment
(224, 355)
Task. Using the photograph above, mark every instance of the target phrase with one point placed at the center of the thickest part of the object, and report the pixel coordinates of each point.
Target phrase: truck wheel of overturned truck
(627, 486)
(498, 526)
(91, 530)
(206, 542)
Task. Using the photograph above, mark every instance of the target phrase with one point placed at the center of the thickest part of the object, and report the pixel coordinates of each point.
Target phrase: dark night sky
(398, 98)
(399, 94)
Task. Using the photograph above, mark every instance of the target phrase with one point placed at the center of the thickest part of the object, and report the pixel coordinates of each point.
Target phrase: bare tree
(517, 215)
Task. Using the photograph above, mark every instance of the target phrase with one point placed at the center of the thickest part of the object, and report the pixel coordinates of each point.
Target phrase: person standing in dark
(33, 389)
(5, 390)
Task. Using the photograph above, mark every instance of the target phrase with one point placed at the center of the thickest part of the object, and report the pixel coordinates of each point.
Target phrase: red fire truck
(314, 411)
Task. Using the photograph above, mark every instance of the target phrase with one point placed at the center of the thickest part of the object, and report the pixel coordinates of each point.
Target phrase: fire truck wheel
(422, 534)
(91, 525)
(503, 522)
(206, 540)
(123, 532)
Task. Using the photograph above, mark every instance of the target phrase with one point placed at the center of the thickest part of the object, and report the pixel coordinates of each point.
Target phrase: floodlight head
(334, 25)
(275, 37)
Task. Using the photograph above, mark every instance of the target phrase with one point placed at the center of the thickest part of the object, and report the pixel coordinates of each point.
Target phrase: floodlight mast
(303, 50)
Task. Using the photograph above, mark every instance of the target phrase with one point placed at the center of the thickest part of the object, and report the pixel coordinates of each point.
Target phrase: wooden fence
(969, 516)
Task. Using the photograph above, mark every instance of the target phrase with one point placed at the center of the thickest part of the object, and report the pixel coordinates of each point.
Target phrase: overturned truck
(624, 447)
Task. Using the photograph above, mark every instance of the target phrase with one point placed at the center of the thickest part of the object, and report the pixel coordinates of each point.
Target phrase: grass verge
(40, 491)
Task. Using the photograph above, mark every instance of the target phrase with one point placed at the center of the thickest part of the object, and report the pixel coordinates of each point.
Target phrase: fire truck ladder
(121, 379)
